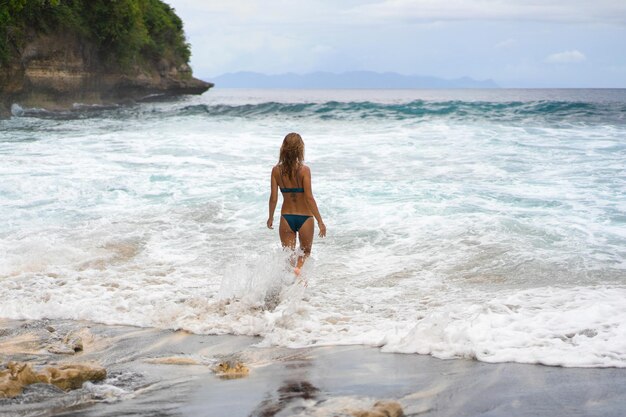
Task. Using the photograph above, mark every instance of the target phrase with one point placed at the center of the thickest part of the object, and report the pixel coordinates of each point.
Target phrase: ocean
(484, 224)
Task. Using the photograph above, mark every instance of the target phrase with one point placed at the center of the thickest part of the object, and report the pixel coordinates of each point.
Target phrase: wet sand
(155, 372)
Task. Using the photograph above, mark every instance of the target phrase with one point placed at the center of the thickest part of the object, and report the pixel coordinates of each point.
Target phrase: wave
(417, 110)
(420, 109)
(77, 111)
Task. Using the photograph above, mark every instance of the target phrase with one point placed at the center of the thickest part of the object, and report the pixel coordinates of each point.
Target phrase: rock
(9, 387)
(292, 395)
(381, 409)
(390, 408)
(74, 342)
(70, 345)
(297, 389)
(67, 377)
(55, 70)
(5, 111)
(184, 69)
(231, 370)
(163, 66)
(16, 377)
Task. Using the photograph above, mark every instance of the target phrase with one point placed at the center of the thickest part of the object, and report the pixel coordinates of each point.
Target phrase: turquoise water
(462, 223)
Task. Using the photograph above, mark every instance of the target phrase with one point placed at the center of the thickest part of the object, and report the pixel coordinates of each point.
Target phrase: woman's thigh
(305, 234)
(287, 236)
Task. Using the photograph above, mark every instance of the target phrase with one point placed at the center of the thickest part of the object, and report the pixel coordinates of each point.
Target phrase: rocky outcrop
(231, 370)
(56, 70)
(71, 344)
(67, 377)
(381, 409)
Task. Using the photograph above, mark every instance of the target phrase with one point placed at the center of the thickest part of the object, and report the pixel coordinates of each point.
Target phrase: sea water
(462, 223)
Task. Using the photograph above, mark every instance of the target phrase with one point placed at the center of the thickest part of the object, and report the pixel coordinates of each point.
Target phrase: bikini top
(292, 190)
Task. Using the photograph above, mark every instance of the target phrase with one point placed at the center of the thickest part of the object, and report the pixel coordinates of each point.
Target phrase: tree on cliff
(128, 34)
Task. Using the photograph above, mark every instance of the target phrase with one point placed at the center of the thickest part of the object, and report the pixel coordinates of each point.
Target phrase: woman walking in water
(299, 206)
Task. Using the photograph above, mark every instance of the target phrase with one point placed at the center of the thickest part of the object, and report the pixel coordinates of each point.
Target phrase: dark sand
(164, 373)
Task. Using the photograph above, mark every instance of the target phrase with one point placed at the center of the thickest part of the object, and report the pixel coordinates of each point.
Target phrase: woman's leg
(287, 236)
(305, 235)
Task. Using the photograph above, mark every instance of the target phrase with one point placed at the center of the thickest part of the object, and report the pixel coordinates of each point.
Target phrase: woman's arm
(310, 200)
(273, 199)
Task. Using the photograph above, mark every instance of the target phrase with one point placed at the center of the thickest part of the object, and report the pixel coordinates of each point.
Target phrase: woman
(299, 206)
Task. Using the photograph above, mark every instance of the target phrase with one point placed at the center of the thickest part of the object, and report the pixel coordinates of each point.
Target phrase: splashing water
(483, 224)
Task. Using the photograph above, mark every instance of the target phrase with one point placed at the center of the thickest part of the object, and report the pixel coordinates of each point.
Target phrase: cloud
(322, 49)
(248, 49)
(507, 43)
(617, 68)
(364, 12)
(566, 57)
(564, 11)
(267, 12)
(452, 38)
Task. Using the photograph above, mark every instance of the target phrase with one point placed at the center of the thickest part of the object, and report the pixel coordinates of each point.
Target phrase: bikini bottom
(295, 221)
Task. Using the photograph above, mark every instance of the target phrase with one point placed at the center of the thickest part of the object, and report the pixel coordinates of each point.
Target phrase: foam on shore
(489, 226)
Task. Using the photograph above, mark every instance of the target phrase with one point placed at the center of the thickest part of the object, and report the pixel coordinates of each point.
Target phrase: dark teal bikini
(295, 221)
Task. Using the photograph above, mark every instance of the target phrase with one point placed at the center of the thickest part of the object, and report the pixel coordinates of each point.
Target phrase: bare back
(293, 202)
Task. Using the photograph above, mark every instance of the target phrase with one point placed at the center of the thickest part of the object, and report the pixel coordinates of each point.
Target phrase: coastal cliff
(57, 53)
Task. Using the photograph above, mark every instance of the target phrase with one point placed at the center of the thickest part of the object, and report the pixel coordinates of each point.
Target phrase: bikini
(295, 221)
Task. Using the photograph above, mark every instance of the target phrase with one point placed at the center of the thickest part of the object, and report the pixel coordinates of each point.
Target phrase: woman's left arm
(273, 199)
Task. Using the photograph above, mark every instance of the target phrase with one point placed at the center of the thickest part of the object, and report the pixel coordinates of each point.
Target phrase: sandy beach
(172, 373)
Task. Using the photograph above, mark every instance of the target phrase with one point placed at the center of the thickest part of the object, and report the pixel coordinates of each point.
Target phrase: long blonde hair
(291, 155)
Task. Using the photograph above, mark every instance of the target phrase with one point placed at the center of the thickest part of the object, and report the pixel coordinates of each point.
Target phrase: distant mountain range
(353, 79)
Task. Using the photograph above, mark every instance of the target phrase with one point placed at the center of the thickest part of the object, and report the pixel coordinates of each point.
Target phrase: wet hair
(291, 155)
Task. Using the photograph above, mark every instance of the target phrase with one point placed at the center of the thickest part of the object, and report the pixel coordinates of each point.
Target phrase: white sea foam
(491, 240)
(105, 392)
(552, 326)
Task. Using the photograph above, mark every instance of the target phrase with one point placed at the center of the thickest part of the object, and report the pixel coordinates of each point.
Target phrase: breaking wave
(510, 112)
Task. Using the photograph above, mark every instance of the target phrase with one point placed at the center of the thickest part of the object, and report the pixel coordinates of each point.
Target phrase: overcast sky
(517, 43)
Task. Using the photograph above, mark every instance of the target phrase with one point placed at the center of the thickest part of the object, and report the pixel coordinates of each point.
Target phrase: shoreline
(162, 372)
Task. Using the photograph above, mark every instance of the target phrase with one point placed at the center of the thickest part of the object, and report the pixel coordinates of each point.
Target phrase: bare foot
(299, 279)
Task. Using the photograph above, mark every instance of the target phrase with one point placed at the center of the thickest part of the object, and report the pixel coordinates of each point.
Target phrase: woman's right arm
(310, 201)
(273, 199)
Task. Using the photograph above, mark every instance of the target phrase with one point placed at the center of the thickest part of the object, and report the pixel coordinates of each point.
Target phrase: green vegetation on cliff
(128, 34)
